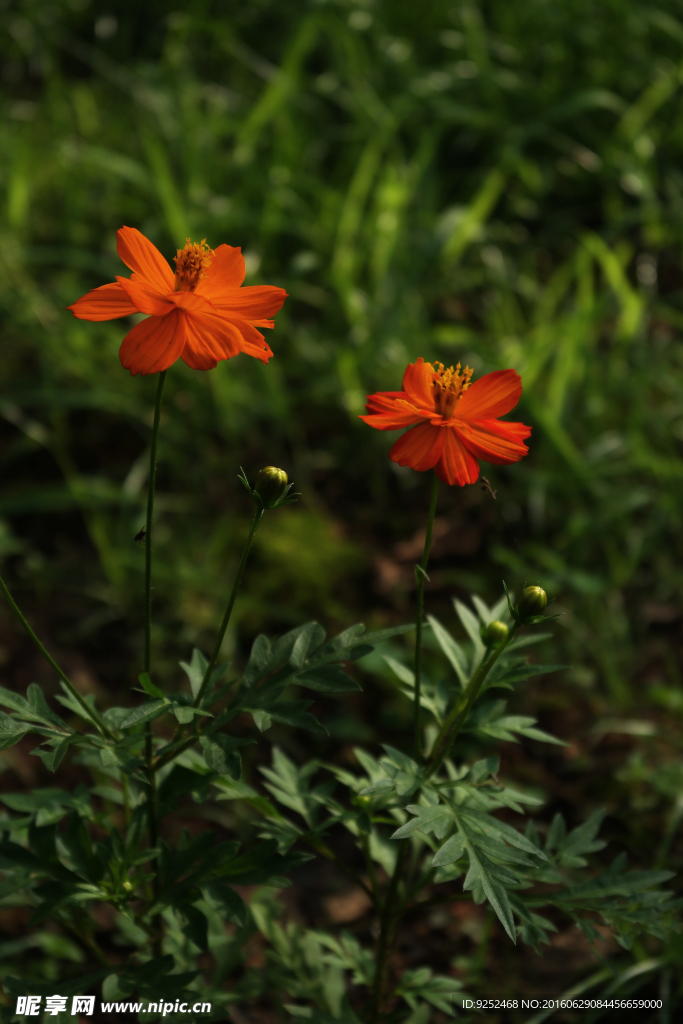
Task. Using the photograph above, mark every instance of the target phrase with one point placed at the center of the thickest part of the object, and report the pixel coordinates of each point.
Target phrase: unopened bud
(495, 633)
(271, 484)
(532, 601)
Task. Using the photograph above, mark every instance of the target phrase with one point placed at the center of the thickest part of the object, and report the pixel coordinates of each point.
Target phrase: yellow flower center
(191, 265)
(449, 385)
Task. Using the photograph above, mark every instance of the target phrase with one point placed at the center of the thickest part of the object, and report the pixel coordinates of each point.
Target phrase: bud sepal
(271, 489)
(529, 609)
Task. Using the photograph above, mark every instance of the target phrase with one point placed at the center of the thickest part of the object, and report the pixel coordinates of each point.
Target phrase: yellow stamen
(449, 386)
(191, 263)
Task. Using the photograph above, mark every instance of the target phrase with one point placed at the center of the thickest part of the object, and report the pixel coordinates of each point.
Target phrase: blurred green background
(496, 182)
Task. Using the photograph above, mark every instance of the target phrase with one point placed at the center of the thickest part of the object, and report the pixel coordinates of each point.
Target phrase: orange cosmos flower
(454, 422)
(200, 314)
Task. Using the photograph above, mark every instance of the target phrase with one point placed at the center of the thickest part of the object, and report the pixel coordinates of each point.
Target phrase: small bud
(532, 601)
(495, 633)
(271, 484)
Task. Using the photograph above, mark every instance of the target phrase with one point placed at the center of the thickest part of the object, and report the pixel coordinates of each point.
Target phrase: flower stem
(385, 943)
(228, 611)
(90, 713)
(152, 802)
(149, 522)
(420, 577)
(456, 718)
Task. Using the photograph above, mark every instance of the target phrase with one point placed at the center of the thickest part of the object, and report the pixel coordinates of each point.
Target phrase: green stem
(420, 576)
(90, 714)
(152, 801)
(457, 717)
(386, 935)
(228, 611)
(149, 521)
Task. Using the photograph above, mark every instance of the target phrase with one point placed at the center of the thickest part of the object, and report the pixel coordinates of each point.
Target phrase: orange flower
(200, 315)
(454, 423)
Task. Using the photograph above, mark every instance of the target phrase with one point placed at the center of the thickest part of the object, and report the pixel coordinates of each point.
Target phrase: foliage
(494, 182)
(441, 811)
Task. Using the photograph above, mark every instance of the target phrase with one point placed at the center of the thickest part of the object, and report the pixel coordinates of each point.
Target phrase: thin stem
(329, 854)
(386, 935)
(125, 789)
(372, 874)
(90, 713)
(228, 611)
(149, 521)
(152, 802)
(420, 576)
(456, 718)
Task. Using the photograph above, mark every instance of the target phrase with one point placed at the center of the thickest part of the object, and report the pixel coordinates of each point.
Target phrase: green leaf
(53, 756)
(38, 706)
(14, 701)
(406, 773)
(196, 670)
(10, 731)
(309, 640)
(471, 624)
(195, 926)
(183, 714)
(262, 720)
(493, 889)
(147, 712)
(451, 850)
(500, 830)
(429, 819)
(179, 783)
(221, 753)
(327, 679)
(581, 840)
(259, 659)
(78, 844)
(289, 712)
(223, 899)
(450, 648)
(149, 687)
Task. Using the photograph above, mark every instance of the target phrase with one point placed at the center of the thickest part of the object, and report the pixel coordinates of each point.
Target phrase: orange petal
(388, 413)
(144, 298)
(494, 394)
(138, 253)
(383, 401)
(253, 342)
(154, 344)
(255, 302)
(494, 440)
(108, 302)
(419, 448)
(417, 382)
(457, 465)
(209, 340)
(226, 272)
(192, 302)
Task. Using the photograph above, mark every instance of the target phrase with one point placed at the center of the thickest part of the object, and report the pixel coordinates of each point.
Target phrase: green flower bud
(271, 484)
(532, 601)
(495, 633)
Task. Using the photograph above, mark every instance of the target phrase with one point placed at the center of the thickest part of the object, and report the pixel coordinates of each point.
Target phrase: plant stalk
(91, 715)
(228, 611)
(152, 801)
(456, 718)
(420, 577)
(149, 521)
(386, 935)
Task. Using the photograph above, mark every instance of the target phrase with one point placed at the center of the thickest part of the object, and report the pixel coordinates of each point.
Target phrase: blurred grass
(498, 183)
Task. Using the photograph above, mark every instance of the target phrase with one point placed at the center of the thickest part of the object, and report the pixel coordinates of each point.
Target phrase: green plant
(419, 823)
